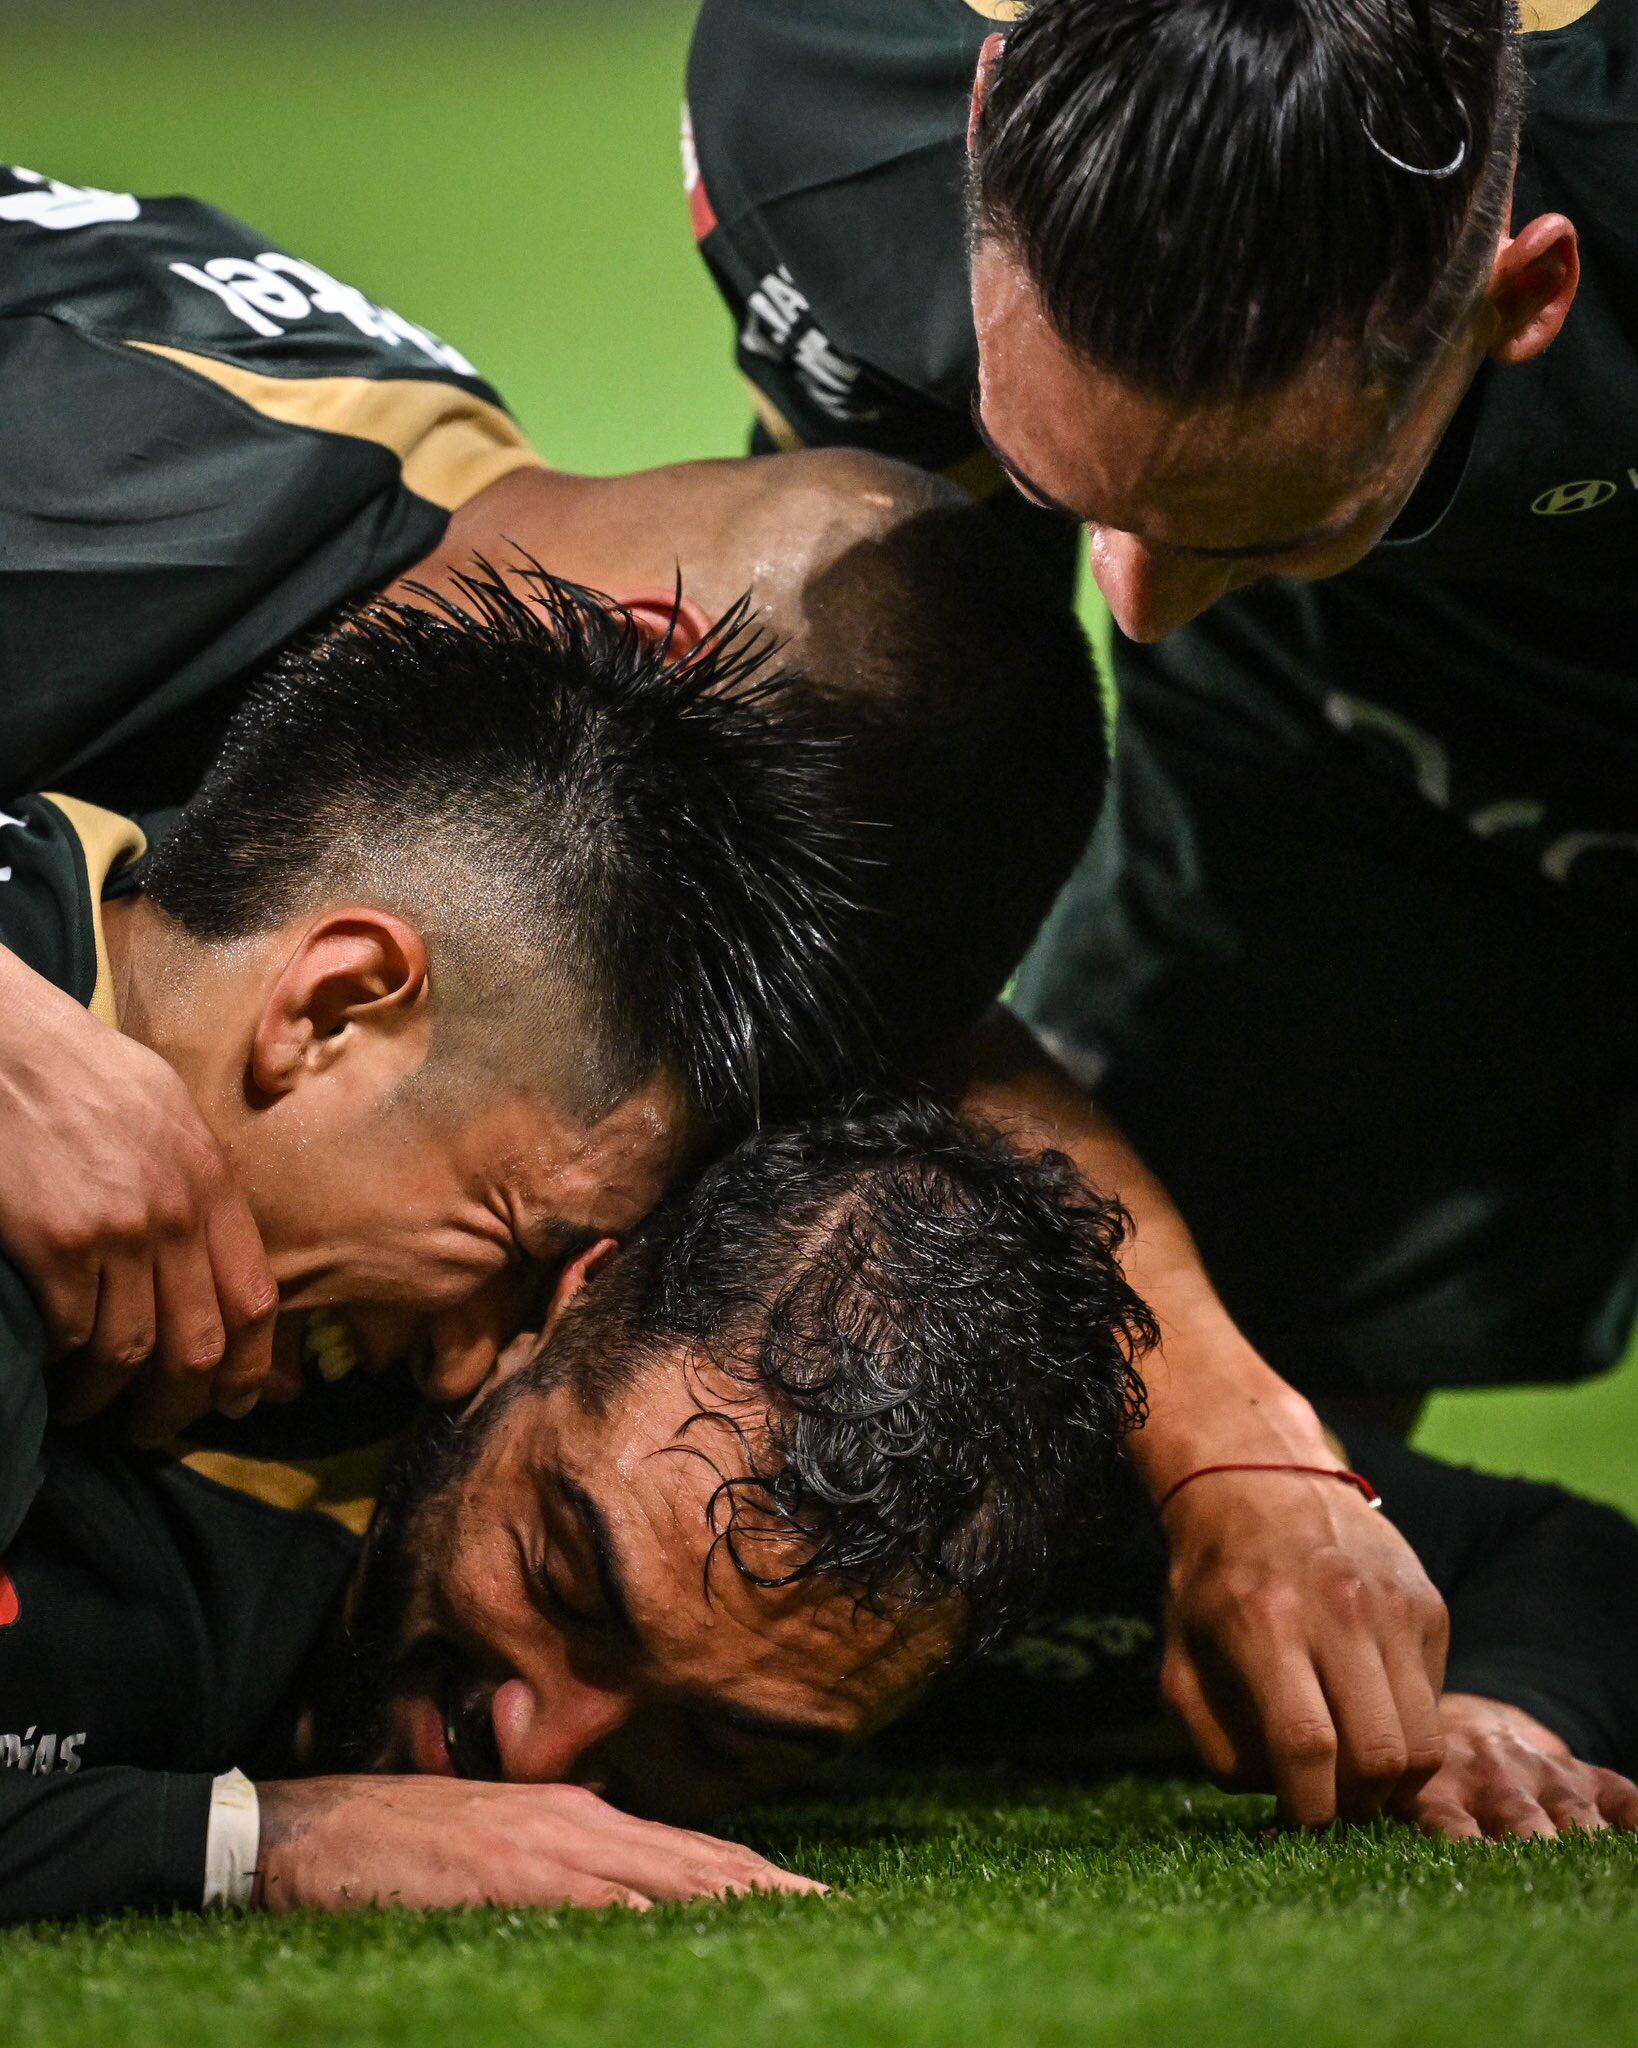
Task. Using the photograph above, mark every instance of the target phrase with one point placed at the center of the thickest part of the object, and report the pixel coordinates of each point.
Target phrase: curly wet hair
(922, 1338)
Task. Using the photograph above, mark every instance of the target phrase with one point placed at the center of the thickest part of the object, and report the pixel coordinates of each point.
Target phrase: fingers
(1389, 1736)
(1226, 1745)
(247, 1299)
(659, 1862)
(180, 1383)
(1416, 1683)
(1372, 1751)
(1617, 1799)
(1445, 1819)
(693, 1867)
(122, 1339)
(1300, 1738)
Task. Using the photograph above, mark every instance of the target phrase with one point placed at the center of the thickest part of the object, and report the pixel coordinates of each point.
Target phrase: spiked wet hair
(603, 842)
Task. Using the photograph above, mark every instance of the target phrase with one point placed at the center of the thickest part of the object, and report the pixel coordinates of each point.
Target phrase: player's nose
(552, 1735)
(1149, 595)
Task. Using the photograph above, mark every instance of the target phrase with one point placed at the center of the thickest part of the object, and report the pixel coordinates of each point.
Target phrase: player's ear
(669, 619)
(981, 85)
(352, 996)
(571, 1279)
(528, 1344)
(1532, 287)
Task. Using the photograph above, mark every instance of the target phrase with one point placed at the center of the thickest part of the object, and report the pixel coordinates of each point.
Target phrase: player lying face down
(821, 1422)
(819, 1426)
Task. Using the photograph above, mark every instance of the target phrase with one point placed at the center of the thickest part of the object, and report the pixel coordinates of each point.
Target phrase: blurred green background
(509, 175)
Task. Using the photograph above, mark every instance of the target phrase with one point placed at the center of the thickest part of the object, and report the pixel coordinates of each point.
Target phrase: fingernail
(236, 1406)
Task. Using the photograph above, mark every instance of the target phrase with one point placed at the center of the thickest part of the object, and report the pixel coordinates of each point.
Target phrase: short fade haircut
(1207, 193)
(640, 846)
(938, 1328)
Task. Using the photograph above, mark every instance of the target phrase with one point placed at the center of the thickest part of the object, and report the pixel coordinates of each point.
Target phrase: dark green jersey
(206, 445)
(1487, 648)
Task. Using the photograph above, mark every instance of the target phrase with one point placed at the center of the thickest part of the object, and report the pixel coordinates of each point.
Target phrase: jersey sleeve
(101, 1841)
(207, 445)
(838, 243)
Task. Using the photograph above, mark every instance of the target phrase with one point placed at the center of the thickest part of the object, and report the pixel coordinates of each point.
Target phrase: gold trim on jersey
(1540, 17)
(1000, 10)
(450, 443)
(342, 1488)
(779, 429)
(109, 842)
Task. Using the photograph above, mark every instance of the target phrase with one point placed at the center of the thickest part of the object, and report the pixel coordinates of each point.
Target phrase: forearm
(1211, 1397)
(101, 1841)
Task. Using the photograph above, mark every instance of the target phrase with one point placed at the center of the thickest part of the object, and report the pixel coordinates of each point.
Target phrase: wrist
(1213, 1400)
(232, 1842)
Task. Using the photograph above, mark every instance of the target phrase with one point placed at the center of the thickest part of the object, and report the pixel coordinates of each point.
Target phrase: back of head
(622, 862)
(937, 1329)
(1209, 192)
(953, 672)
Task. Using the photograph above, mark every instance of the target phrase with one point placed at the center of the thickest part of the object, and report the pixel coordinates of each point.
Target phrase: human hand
(339, 1844)
(120, 1210)
(1505, 1774)
(1305, 1643)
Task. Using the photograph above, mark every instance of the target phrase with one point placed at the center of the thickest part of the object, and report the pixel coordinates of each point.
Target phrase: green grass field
(510, 178)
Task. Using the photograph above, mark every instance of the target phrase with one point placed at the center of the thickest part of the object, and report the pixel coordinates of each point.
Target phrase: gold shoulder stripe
(109, 842)
(1540, 17)
(342, 1488)
(451, 443)
(1000, 10)
(779, 429)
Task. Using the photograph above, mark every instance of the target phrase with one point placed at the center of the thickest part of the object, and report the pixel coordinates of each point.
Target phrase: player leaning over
(1317, 317)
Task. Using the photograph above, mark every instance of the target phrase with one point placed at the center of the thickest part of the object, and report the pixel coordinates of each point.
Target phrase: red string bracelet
(1372, 1498)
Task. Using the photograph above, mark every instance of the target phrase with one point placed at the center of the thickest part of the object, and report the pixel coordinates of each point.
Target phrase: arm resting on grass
(101, 1841)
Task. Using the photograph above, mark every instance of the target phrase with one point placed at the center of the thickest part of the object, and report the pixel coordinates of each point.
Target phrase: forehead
(1225, 475)
(551, 1168)
(657, 1463)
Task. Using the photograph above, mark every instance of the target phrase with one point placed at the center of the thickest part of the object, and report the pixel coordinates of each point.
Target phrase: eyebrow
(1263, 549)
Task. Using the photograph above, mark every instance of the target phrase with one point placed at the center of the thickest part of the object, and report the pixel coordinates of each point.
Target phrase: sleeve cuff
(233, 1837)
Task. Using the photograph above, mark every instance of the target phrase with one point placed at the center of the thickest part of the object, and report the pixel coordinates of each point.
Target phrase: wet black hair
(652, 841)
(922, 1337)
(1206, 192)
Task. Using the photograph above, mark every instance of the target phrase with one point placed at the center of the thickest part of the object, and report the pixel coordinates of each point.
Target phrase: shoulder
(179, 289)
(173, 272)
(47, 917)
(1582, 60)
(827, 159)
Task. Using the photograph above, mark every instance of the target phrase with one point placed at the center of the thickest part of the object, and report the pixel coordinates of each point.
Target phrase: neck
(160, 994)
